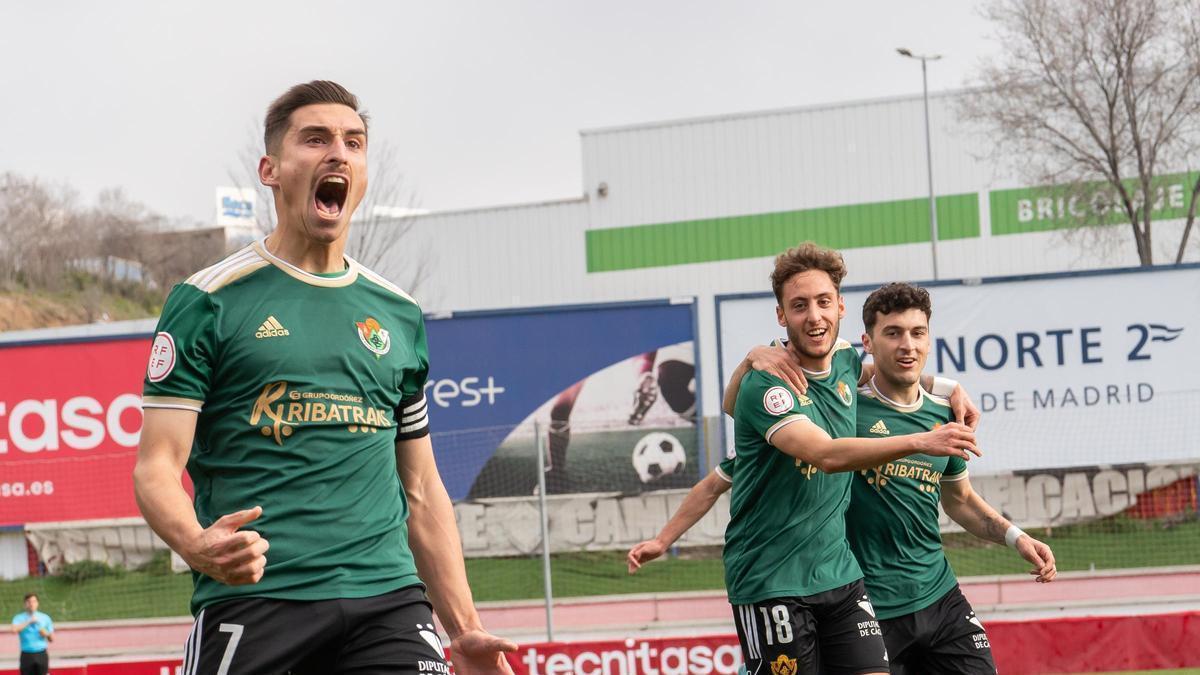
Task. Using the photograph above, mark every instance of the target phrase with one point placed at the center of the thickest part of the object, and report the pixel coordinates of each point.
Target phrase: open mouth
(331, 196)
(817, 333)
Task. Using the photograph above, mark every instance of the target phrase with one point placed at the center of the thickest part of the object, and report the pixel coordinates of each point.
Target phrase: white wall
(743, 164)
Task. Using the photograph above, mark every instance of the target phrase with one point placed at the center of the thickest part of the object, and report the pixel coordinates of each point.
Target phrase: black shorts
(945, 637)
(35, 663)
(389, 633)
(832, 633)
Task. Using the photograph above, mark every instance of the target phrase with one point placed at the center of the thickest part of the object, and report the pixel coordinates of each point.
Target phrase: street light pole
(933, 224)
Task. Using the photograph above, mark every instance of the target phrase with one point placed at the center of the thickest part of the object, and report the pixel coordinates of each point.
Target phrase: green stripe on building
(1052, 207)
(766, 234)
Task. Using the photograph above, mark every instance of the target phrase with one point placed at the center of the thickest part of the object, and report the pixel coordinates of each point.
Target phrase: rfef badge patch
(778, 400)
(162, 357)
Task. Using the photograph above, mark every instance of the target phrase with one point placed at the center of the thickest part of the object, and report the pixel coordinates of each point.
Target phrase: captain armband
(412, 418)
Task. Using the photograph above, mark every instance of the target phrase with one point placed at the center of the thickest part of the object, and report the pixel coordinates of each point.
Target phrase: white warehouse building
(699, 207)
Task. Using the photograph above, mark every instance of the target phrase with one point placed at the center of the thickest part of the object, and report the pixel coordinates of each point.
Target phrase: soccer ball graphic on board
(656, 455)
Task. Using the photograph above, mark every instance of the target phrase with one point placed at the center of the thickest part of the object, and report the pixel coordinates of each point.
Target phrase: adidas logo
(880, 428)
(271, 328)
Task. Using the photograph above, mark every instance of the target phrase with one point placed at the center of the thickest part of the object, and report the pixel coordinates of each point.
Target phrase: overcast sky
(482, 100)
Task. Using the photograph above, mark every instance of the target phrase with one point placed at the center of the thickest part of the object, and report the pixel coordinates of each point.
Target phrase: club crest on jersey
(778, 400)
(783, 666)
(845, 393)
(374, 337)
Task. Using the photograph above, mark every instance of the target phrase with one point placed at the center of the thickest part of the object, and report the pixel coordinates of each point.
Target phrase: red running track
(997, 600)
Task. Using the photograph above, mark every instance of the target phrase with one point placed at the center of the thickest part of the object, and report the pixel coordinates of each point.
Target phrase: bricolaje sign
(1054, 207)
(1069, 371)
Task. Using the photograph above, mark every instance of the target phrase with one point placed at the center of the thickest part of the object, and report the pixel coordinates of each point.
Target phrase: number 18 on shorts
(829, 633)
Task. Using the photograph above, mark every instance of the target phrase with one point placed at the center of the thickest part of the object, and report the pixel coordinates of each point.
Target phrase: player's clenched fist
(231, 556)
(948, 440)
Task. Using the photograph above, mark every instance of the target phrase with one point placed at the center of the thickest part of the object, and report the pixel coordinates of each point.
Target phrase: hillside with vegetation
(86, 301)
(63, 262)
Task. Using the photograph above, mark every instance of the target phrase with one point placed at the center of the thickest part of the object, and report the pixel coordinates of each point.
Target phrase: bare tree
(38, 232)
(382, 221)
(1100, 98)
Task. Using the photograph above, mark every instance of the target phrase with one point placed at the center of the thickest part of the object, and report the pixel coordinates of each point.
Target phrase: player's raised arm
(437, 550)
(699, 500)
(222, 551)
(967, 508)
(810, 443)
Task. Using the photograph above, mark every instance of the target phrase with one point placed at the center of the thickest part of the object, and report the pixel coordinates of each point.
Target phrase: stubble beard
(796, 340)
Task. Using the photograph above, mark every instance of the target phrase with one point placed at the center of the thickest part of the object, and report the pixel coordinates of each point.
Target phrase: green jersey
(303, 383)
(786, 534)
(892, 523)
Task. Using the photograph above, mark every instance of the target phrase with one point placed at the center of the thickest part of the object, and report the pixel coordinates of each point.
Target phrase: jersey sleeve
(725, 469)
(767, 404)
(850, 359)
(183, 355)
(956, 469)
(412, 415)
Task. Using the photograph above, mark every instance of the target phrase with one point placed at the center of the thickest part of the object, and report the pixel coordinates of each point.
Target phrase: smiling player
(892, 517)
(796, 589)
(892, 522)
(288, 380)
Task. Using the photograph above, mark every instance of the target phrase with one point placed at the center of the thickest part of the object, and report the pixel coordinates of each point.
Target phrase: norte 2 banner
(1069, 370)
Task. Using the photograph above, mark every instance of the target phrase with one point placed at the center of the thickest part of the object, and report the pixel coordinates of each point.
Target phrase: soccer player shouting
(288, 380)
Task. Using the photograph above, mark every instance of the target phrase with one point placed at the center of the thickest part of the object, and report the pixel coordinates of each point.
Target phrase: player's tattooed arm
(437, 550)
(968, 509)
(222, 551)
(812, 444)
(774, 360)
(699, 501)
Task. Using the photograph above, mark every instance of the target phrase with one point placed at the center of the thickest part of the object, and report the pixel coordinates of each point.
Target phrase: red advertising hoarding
(1073, 645)
(70, 417)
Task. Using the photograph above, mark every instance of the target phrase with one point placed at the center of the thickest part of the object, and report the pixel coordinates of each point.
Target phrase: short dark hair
(895, 297)
(805, 257)
(309, 93)
(31, 595)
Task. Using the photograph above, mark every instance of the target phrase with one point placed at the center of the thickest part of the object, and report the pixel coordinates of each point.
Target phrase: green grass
(1110, 544)
(131, 595)
(582, 574)
(1114, 543)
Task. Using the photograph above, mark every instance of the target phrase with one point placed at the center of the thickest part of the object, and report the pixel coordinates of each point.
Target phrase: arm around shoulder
(810, 443)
